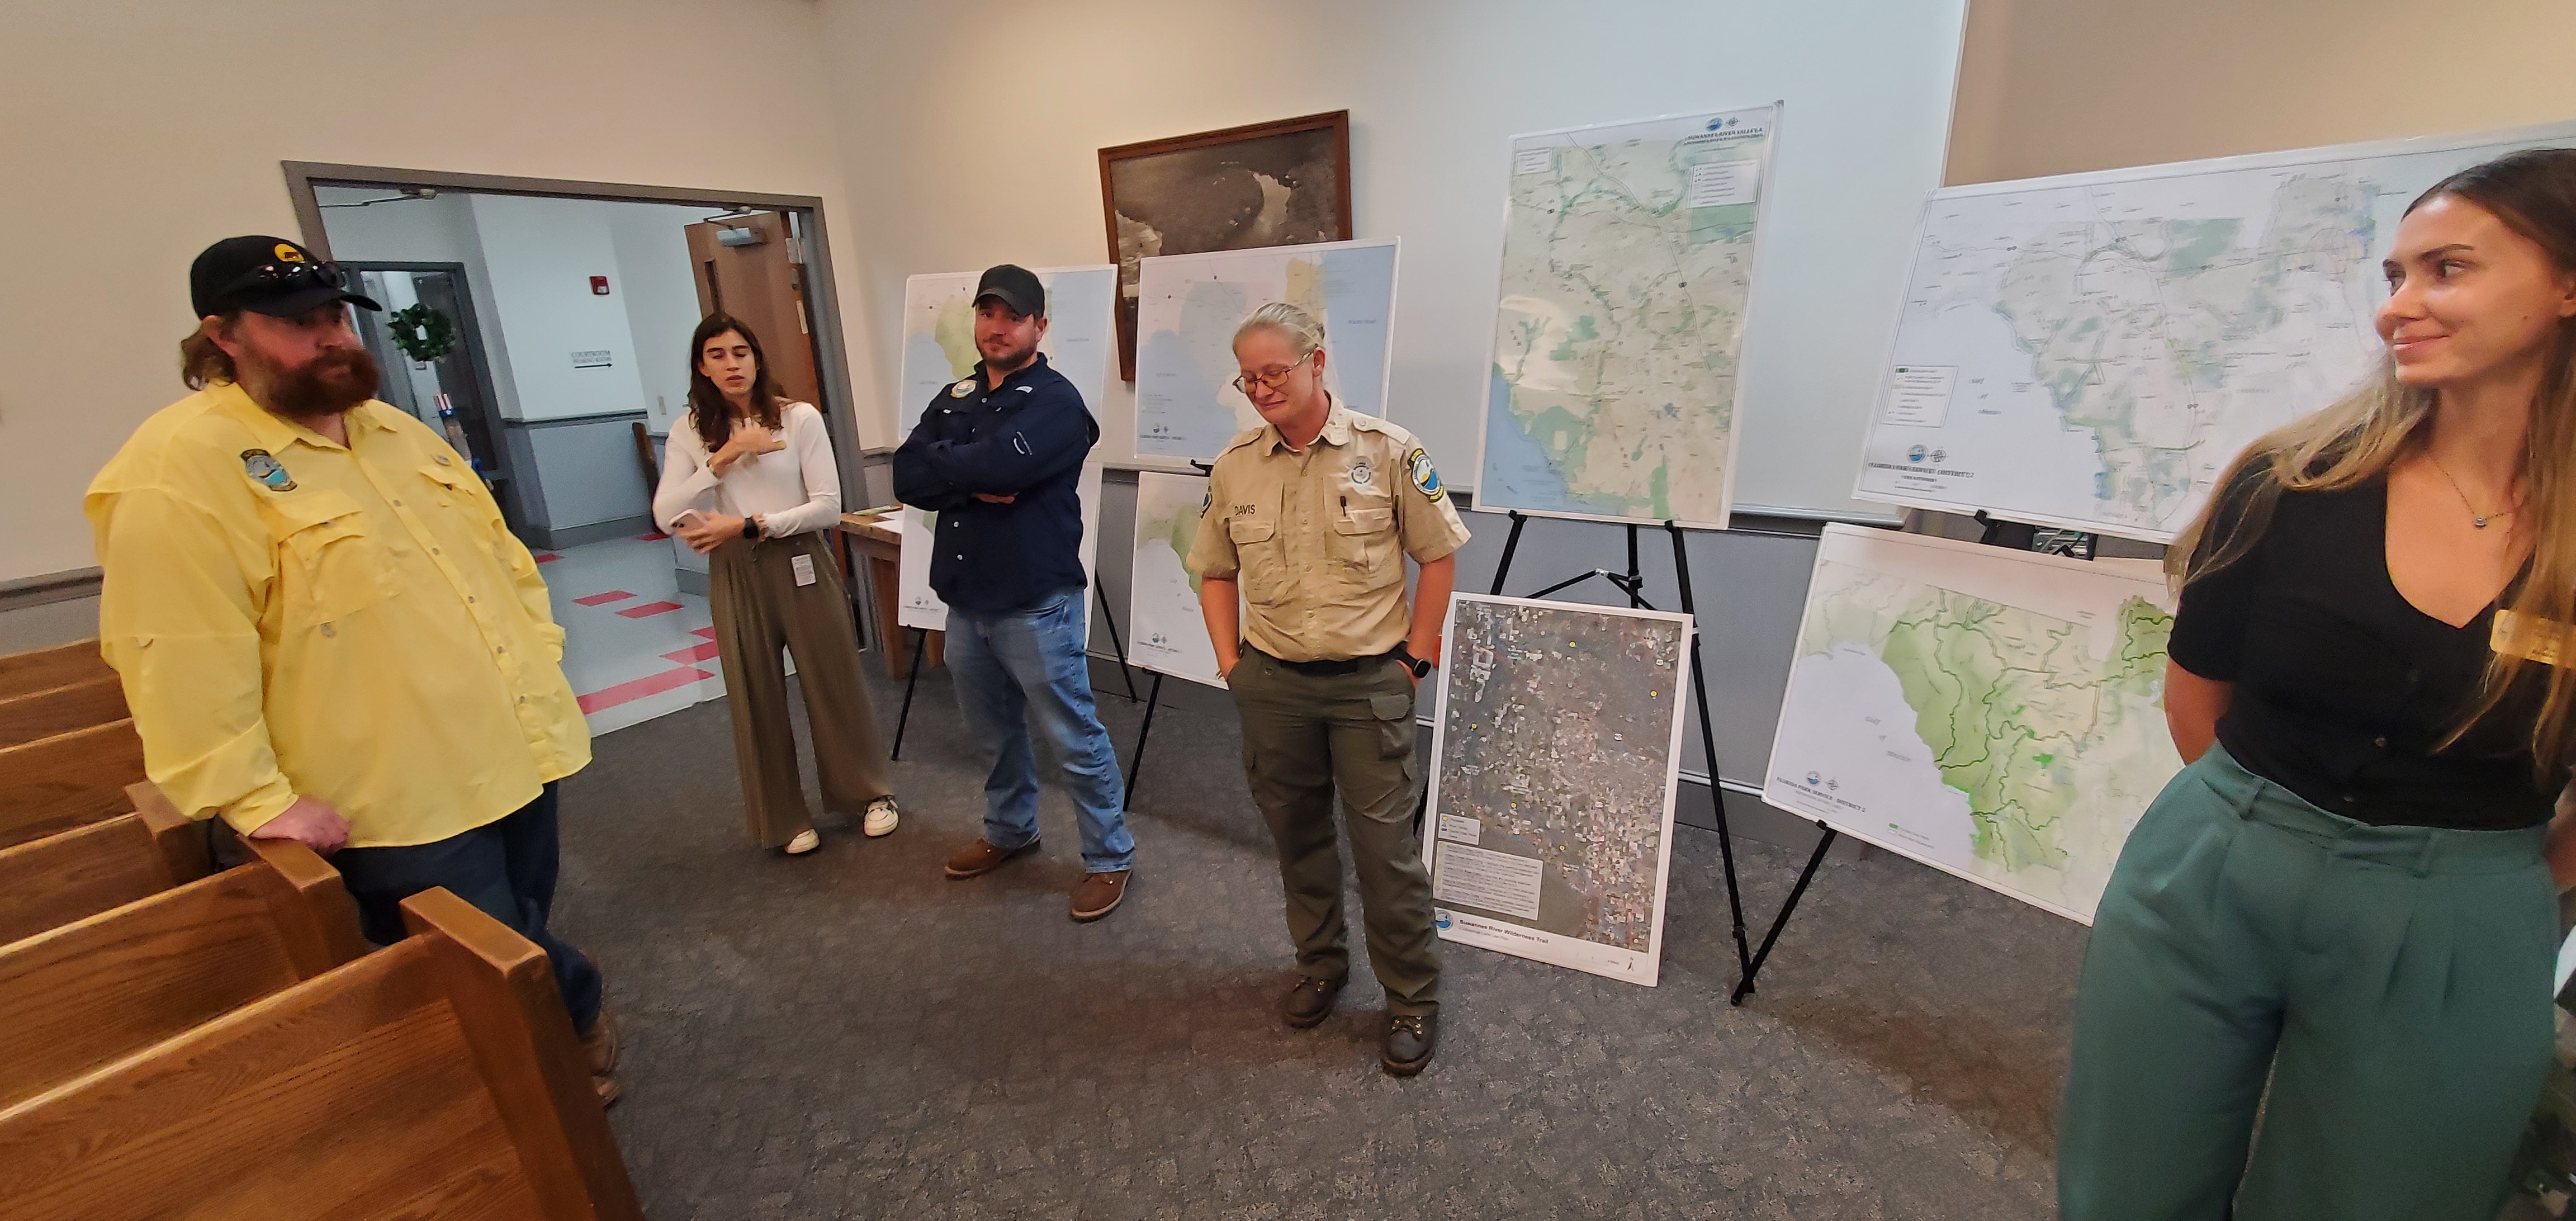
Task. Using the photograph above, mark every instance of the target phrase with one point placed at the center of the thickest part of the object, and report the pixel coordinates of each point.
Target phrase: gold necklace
(2476, 519)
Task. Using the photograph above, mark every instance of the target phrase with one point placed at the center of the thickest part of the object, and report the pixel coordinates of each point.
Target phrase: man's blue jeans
(1025, 670)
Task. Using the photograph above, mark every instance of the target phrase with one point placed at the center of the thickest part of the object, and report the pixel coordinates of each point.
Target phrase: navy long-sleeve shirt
(1025, 439)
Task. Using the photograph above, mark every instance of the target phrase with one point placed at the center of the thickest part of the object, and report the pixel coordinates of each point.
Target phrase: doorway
(566, 309)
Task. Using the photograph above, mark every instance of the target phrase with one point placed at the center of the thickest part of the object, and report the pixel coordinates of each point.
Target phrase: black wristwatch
(750, 526)
(1405, 657)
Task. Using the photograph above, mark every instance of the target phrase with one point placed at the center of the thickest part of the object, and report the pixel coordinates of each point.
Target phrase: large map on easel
(1187, 309)
(1556, 759)
(939, 349)
(2091, 351)
(1627, 261)
(1997, 714)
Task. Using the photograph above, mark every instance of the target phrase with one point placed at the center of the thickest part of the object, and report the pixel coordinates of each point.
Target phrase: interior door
(460, 378)
(763, 284)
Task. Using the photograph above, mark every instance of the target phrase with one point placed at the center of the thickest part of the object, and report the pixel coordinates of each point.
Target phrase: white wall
(540, 255)
(2060, 86)
(135, 137)
(978, 173)
(660, 292)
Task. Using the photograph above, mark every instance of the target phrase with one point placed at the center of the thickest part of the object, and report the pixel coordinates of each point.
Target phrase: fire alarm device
(599, 286)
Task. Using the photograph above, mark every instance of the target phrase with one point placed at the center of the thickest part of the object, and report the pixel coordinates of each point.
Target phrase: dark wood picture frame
(1332, 129)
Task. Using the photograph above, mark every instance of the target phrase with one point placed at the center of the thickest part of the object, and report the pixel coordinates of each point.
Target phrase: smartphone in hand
(689, 519)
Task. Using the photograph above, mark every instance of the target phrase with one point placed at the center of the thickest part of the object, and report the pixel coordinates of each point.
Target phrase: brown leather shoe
(1098, 894)
(600, 1043)
(980, 858)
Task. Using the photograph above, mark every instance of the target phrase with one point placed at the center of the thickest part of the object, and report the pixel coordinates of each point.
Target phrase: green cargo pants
(2393, 982)
(1303, 736)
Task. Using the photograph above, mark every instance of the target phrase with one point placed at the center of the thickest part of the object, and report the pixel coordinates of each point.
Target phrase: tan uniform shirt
(1314, 537)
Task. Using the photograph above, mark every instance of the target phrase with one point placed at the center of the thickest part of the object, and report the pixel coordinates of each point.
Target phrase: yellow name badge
(2530, 639)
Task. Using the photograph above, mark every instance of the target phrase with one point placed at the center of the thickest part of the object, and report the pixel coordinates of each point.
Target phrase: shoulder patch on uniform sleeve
(1425, 480)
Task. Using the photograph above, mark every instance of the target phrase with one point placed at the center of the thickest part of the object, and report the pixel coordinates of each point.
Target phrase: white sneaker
(881, 817)
(805, 841)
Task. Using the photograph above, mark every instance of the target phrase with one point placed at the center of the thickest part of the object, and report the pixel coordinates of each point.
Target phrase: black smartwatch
(750, 527)
(1405, 657)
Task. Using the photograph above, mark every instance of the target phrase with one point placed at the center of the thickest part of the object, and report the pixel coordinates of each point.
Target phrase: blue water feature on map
(1517, 472)
(1358, 287)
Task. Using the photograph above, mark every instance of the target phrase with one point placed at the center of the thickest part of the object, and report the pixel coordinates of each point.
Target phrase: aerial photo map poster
(1186, 314)
(2091, 351)
(1165, 631)
(939, 351)
(1627, 264)
(1557, 752)
(1996, 714)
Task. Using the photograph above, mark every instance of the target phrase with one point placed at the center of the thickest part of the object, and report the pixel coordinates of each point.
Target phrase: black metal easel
(921, 645)
(1632, 583)
(1136, 763)
(2011, 535)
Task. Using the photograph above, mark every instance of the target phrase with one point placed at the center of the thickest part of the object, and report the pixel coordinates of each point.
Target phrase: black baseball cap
(266, 275)
(1014, 286)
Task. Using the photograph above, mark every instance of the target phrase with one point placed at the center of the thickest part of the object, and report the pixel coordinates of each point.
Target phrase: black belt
(1329, 669)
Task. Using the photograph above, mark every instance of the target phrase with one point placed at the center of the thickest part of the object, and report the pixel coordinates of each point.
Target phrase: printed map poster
(2091, 351)
(939, 350)
(917, 605)
(1627, 266)
(1557, 757)
(1188, 306)
(1165, 632)
(1995, 714)
(939, 334)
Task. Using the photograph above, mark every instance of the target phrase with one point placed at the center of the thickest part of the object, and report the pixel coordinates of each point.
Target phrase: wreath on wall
(423, 333)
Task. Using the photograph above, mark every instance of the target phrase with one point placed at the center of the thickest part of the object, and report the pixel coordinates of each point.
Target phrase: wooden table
(875, 536)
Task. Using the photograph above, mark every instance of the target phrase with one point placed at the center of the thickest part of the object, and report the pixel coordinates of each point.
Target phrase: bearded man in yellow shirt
(324, 630)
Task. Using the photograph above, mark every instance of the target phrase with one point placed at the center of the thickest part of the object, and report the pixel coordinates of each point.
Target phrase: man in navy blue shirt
(998, 456)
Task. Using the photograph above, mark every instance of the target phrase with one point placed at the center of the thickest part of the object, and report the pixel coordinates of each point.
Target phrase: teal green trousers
(2392, 982)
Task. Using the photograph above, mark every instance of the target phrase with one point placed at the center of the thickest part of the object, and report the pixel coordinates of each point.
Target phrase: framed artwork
(1283, 183)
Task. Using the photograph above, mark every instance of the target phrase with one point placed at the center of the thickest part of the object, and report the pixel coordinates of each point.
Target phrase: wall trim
(596, 417)
(48, 587)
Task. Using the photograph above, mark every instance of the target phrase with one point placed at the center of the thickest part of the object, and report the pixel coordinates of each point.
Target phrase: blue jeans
(1026, 669)
(505, 867)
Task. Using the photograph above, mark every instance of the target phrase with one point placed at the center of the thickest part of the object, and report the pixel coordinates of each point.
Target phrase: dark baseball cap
(1013, 286)
(266, 275)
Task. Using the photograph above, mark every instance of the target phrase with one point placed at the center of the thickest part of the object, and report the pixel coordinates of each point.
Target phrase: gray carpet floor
(849, 1034)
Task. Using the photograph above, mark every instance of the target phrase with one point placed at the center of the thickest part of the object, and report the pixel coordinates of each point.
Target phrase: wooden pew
(85, 993)
(42, 714)
(73, 874)
(45, 669)
(68, 780)
(435, 1077)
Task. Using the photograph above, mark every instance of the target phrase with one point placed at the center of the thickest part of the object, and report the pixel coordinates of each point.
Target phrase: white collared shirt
(795, 490)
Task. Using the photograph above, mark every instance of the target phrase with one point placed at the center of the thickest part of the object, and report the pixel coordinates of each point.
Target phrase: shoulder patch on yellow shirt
(259, 465)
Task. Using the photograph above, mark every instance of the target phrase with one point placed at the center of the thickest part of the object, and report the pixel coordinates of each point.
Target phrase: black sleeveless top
(2343, 688)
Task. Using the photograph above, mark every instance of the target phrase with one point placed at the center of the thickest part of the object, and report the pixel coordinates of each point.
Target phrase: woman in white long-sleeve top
(756, 505)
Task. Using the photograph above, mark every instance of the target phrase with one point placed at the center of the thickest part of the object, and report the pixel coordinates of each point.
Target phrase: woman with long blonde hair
(2351, 891)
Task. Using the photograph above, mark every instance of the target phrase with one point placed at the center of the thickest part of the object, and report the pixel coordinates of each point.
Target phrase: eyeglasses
(1268, 380)
(290, 275)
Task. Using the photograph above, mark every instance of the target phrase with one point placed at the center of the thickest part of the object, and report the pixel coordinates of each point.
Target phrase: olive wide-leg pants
(2393, 982)
(760, 609)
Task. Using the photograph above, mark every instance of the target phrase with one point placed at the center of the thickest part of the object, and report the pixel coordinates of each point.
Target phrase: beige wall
(136, 133)
(2060, 86)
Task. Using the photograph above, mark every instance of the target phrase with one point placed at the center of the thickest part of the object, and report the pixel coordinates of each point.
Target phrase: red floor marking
(649, 609)
(693, 654)
(708, 632)
(614, 595)
(636, 689)
(547, 557)
(654, 537)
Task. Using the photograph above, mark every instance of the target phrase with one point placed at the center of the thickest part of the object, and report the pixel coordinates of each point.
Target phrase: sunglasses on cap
(283, 274)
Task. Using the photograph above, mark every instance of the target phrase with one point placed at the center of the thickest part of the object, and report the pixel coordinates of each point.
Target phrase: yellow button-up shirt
(1316, 537)
(293, 617)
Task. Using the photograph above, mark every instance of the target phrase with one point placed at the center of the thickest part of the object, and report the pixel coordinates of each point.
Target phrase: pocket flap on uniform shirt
(1251, 530)
(447, 475)
(1365, 521)
(321, 507)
